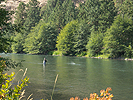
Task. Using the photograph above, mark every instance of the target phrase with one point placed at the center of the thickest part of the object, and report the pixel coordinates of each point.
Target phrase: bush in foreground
(105, 95)
(7, 91)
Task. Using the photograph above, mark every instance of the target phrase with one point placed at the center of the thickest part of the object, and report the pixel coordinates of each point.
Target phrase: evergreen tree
(66, 39)
(73, 38)
(57, 15)
(118, 3)
(42, 39)
(108, 12)
(4, 17)
(25, 24)
(33, 15)
(127, 8)
(20, 16)
(82, 12)
(93, 11)
(69, 11)
(17, 45)
(48, 9)
(31, 42)
(119, 37)
(99, 14)
(63, 13)
(95, 44)
(81, 38)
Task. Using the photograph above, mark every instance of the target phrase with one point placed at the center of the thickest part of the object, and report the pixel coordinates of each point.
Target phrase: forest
(93, 28)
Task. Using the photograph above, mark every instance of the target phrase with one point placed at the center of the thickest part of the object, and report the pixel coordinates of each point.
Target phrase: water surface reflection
(77, 76)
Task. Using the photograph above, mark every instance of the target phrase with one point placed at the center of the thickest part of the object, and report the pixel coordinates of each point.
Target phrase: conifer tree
(4, 17)
(25, 24)
(81, 38)
(127, 8)
(95, 44)
(20, 16)
(81, 12)
(57, 15)
(119, 37)
(66, 40)
(47, 10)
(64, 12)
(108, 12)
(33, 15)
(69, 11)
(92, 11)
(17, 45)
(99, 14)
(42, 39)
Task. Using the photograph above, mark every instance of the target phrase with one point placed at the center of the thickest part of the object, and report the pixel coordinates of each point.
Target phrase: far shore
(120, 58)
(113, 58)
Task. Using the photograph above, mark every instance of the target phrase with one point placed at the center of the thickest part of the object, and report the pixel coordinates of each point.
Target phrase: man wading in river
(44, 61)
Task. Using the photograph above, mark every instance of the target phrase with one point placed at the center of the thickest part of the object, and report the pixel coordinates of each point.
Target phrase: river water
(77, 76)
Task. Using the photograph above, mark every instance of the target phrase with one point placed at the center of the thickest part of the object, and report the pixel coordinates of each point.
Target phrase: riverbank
(98, 57)
(112, 58)
(84, 54)
(131, 59)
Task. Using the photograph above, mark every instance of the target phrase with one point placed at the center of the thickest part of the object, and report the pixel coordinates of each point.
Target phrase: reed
(54, 86)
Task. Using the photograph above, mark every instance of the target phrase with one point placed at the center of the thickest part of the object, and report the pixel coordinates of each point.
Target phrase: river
(78, 76)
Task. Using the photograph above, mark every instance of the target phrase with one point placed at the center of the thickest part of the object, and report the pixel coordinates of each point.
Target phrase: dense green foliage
(126, 8)
(59, 12)
(95, 44)
(82, 39)
(17, 45)
(20, 16)
(32, 15)
(42, 39)
(100, 17)
(67, 38)
(119, 38)
(48, 9)
(27, 16)
(4, 17)
(98, 27)
(19, 36)
(73, 38)
(7, 91)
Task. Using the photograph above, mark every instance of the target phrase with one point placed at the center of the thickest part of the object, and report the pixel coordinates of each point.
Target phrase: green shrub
(57, 53)
(84, 53)
(50, 52)
(6, 90)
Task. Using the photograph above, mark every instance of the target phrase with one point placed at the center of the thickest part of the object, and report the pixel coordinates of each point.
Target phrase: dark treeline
(95, 27)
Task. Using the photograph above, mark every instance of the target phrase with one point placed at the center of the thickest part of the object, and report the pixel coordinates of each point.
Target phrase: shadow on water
(77, 76)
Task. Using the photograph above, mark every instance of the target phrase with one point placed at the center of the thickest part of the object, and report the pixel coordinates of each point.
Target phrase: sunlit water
(78, 76)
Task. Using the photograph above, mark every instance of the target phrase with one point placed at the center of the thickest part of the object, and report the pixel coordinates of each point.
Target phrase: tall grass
(54, 87)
